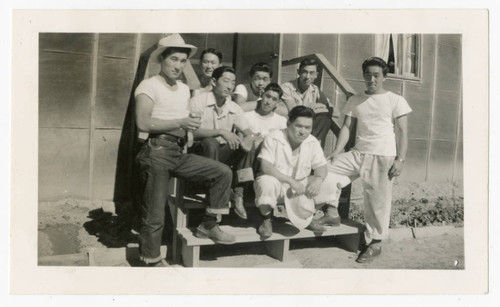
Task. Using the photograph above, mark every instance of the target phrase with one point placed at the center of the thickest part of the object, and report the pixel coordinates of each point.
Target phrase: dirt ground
(71, 226)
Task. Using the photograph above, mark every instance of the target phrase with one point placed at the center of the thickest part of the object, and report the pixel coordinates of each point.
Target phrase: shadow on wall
(127, 183)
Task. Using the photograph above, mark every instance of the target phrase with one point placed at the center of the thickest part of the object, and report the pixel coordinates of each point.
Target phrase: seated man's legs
(239, 160)
(217, 178)
(208, 147)
(267, 191)
(321, 126)
(244, 163)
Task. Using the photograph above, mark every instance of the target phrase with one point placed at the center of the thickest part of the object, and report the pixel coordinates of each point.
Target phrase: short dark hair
(375, 61)
(275, 88)
(309, 62)
(213, 51)
(300, 111)
(261, 66)
(219, 71)
(171, 50)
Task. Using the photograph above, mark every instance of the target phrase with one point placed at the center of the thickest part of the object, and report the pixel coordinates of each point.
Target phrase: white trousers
(377, 188)
(269, 191)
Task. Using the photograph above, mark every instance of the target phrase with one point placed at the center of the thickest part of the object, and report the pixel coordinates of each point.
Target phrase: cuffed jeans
(157, 164)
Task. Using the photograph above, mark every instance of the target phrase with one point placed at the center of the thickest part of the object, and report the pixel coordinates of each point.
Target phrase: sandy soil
(71, 226)
(444, 250)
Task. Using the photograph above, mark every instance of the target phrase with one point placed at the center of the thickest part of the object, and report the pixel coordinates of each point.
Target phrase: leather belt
(167, 139)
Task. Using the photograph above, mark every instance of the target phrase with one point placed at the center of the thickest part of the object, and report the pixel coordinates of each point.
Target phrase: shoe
(215, 234)
(239, 208)
(369, 253)
(331, 217)
(160, 264)
(316, 227)
(266, 228)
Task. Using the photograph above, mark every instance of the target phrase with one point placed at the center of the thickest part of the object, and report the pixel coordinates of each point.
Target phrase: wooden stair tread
(281, 231)
(197, 202)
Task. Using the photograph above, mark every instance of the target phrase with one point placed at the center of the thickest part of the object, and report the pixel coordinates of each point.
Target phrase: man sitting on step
(303, 92)
(287, 158)
(218, 136)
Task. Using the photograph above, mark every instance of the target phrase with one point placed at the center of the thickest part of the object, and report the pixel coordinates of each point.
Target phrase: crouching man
(287, 158)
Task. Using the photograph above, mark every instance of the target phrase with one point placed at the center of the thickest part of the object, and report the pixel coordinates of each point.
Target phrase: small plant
(421, 212)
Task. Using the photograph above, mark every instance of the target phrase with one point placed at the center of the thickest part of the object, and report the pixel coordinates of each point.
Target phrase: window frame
(418, 62)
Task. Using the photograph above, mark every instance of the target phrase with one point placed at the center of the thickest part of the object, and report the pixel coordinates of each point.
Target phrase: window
(401, 52)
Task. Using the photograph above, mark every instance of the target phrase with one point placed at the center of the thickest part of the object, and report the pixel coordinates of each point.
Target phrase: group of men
(267, 137)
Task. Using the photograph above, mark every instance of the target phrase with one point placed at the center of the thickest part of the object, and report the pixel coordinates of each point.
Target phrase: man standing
(222, 120)
(380, 118)
(162, 111)
(303, 92)
(287, 158)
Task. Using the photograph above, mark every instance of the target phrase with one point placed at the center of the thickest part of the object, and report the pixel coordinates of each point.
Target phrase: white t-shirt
(241, 90)
(168, 104)
(375, 115)
(265, 124)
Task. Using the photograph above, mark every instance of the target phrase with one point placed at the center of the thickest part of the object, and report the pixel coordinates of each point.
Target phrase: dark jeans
(237, 159)
(321, 126)
(157, 164)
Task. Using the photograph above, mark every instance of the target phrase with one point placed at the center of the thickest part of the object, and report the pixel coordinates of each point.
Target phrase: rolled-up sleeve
(145, 88)
(241, 90)
(401, 108)
(240, 121)
(268, 149)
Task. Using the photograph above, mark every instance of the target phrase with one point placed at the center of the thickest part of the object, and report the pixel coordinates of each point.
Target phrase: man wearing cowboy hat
(380, 118)
(162, 111)
(287, 158)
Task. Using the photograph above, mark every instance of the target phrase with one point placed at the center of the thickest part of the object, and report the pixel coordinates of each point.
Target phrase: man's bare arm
(244, 104)
(343, 138)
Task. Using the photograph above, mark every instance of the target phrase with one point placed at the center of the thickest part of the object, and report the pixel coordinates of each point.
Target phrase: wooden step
(281, 231)
(277, 245)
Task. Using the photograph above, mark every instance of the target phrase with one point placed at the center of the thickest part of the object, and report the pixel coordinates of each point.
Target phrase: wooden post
(278, 249)
(190, 255)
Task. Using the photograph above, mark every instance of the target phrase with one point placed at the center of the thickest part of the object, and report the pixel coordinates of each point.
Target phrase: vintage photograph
(174, 157)
(238, 150)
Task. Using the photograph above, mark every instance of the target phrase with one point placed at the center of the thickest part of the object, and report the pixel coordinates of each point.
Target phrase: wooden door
(252, 48)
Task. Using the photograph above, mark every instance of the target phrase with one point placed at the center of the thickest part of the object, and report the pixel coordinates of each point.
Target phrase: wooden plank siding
(86, 82)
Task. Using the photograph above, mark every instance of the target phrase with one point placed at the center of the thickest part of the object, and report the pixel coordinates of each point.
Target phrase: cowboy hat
(299, 209)
(172, 40)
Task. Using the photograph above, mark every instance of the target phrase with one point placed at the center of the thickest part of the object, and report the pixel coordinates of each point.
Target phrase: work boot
(266, 228)
(331, 217)
(215, 234)
(239, 208)
(316, 227)
(369, 253)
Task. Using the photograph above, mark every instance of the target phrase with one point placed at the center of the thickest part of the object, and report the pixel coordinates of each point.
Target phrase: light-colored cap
(172, 40)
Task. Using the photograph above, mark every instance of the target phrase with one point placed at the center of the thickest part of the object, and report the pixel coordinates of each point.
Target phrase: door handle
(274, 56)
